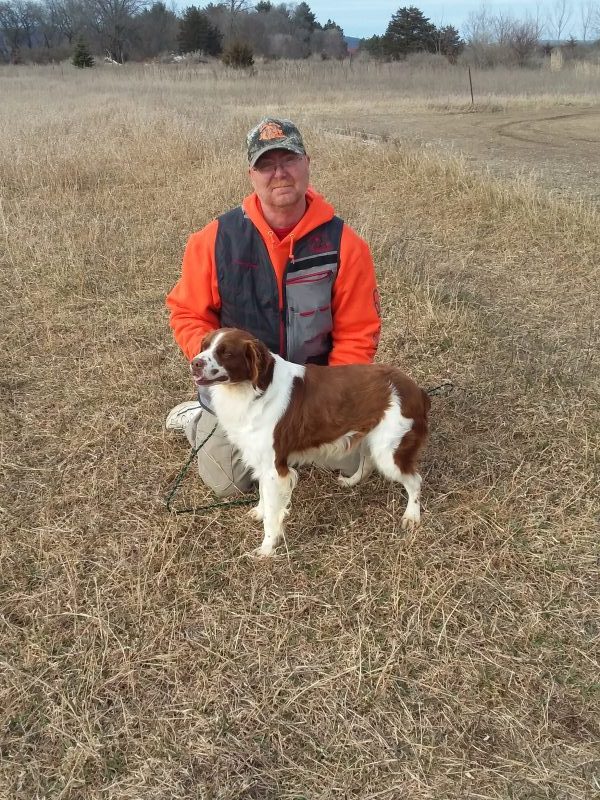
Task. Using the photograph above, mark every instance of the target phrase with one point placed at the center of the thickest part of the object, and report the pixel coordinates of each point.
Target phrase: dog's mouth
(209, 381)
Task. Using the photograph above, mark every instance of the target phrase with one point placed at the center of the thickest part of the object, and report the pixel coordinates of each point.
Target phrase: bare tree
(502, 38)
(28, 15)
(114, 21)
(479, 27)
(69, 16)
(589, 17)
(234, 8)
(10, 28)
(524, 40)
(559, 17)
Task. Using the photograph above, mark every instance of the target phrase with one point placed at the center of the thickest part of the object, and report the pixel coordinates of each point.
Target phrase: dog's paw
(411, 521)
(256, 513)
(346, 482)
(262, 552)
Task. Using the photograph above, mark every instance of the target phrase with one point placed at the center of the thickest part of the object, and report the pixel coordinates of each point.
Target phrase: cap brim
(277, 146)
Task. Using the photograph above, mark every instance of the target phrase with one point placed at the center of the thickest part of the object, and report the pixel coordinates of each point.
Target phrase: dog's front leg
(257, 512)
(275, 496)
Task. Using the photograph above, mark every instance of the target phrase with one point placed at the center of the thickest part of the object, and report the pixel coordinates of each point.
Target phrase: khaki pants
(220, 465)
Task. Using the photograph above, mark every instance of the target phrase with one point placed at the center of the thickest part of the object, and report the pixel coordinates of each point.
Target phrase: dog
(280, 414)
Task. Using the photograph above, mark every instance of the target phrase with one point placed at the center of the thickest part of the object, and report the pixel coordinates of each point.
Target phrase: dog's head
(230, 355)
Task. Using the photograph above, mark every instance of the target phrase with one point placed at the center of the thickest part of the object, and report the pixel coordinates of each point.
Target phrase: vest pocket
(309, 319)
(309, 334)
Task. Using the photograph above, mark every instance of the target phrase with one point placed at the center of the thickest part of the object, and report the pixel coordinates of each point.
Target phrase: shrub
(238, 55)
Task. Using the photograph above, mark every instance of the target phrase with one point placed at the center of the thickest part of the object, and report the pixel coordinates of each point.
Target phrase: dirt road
(559, 147)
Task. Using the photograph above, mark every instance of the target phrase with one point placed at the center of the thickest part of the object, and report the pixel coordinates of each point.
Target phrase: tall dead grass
(143, 657)
(326, 85)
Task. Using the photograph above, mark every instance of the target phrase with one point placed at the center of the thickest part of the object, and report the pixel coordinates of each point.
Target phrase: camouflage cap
(273, 134)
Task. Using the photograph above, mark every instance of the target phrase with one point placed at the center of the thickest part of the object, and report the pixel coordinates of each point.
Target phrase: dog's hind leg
(411, 482)
(275, 496)
(394, 448)
(365, 468)
(412, 516)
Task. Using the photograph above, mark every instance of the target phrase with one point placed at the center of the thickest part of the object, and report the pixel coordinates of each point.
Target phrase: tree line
(122, 30)
(50, 30)
(490, 38)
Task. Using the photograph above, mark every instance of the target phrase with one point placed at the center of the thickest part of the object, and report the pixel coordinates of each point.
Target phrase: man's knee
(221, 468)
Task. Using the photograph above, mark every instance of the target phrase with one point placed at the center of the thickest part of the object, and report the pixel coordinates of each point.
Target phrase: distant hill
(352, 42)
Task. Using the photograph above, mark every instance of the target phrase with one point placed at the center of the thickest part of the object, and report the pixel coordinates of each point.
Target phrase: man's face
(280, 178)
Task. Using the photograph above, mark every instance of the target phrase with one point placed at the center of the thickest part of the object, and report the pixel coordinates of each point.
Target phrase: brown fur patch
(331, 401)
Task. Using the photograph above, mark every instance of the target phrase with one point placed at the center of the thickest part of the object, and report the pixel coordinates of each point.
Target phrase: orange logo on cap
(271, 130)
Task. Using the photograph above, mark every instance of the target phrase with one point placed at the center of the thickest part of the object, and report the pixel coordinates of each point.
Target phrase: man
(283, 267)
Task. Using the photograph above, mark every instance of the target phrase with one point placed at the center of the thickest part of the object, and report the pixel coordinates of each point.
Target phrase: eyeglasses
(270, 167)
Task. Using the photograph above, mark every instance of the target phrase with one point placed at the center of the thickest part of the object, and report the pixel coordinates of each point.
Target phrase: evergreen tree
(82, 56)
(449, 43)
(196, 32)
(303, 17)
(157, 29)
(263, 7)
(330, 25)
(409, 31)
(374, 46)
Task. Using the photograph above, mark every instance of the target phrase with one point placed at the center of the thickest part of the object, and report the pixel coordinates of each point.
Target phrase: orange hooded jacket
(194, 301)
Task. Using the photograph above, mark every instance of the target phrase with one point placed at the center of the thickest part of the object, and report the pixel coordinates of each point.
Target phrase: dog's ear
(254, 360)
(207, 340)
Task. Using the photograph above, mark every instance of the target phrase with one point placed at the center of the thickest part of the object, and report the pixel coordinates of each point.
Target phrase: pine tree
(449, 43)
(82, 56)
(197, 33)
(330, 25)
(374, 46)
(409, 31)
(303, 17)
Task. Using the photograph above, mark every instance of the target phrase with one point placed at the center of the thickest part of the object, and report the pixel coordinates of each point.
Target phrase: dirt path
(561, 147)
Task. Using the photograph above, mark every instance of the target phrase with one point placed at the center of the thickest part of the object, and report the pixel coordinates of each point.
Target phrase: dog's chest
(248, 420)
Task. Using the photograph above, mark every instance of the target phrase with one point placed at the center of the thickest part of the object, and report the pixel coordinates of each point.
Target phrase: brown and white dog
(280, 414)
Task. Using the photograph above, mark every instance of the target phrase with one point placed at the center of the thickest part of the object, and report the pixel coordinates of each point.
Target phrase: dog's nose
(198, 364)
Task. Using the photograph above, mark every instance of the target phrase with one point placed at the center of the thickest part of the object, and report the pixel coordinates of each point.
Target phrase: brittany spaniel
(278, 414)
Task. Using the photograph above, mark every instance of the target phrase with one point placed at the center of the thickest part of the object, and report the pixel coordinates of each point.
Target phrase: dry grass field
(142, 655)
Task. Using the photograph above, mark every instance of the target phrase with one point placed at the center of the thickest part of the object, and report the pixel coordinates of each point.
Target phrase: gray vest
(301, 332)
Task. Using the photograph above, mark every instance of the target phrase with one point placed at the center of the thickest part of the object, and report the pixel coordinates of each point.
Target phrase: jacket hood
(318, 212)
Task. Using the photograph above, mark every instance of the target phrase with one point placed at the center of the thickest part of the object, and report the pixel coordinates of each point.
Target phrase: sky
(367, 17)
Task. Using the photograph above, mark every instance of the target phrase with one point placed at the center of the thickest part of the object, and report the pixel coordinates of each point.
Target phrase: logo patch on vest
(247, 264)
(271, 130)
(320, 244)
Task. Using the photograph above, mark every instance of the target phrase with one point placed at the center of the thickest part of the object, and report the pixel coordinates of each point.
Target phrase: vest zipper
(314, 277)
(282, 342)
